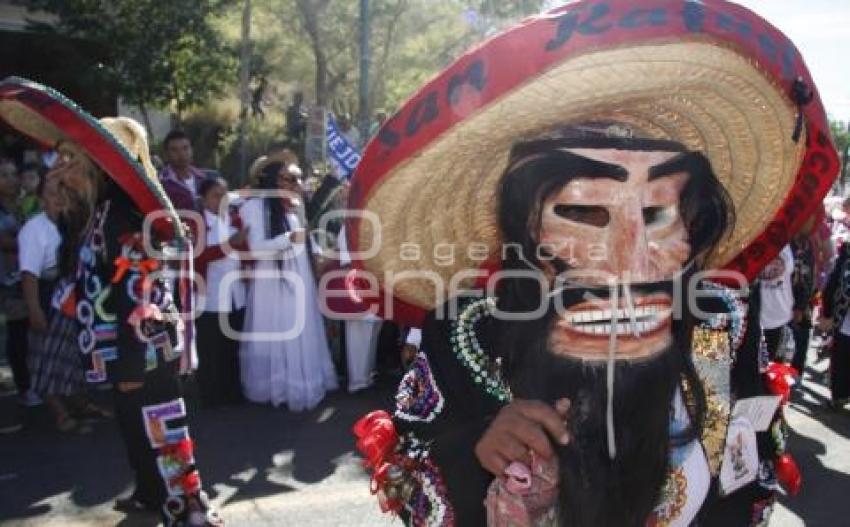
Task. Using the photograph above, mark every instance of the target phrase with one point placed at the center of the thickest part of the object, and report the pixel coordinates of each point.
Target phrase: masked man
(119, 288)
(590, 379)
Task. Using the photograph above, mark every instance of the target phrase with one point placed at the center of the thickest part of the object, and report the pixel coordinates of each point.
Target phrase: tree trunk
(310, 12)
(244, 89)
(321, 77)
(363, 99)
(143, 108)
(377, 89)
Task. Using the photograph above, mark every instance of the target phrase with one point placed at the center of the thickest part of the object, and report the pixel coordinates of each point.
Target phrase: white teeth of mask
(600, 321)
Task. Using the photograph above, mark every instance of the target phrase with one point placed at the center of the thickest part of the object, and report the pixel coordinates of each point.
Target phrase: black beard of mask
(595, 490)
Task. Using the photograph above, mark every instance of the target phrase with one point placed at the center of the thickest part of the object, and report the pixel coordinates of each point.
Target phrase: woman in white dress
(284, 353)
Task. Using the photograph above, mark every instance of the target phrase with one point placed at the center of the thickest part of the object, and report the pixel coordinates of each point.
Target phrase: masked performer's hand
(520, 427)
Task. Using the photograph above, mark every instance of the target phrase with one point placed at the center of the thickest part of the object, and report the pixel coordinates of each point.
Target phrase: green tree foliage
(182, 54)
(159, 53)
(410, 41)
(314, 44)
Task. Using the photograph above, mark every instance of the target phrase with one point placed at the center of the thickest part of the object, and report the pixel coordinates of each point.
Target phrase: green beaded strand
(484, 371)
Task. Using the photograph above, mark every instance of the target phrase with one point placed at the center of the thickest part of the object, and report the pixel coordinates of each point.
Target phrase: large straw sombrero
(117, 145)
(708, 74)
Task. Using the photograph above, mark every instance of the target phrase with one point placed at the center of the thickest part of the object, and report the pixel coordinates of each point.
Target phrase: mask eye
(588, 214)
(656, 215)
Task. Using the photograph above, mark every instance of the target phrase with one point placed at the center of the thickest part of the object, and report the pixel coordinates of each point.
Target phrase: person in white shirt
(361, 337)
(222, 299)
(777, 299)
(58, 373)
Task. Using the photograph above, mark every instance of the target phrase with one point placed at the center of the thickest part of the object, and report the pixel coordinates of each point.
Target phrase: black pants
(839, 367)
(389, 347)
(802, 332)
(737, 509)
(16, 351)
(218, 375)
(772, 337)
(152, 420)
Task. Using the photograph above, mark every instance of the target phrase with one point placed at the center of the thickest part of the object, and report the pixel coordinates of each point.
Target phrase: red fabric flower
(182, 451)
(377, 440)
(780, 378)
(376, 437)
(788, 474)
(191, 482)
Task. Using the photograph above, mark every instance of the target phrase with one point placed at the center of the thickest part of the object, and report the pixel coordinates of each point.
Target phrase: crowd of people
(260, 335)
(798, 290)
(798, 294)
(91, 296)
(610, 406)
(246, 295)
(40, 341)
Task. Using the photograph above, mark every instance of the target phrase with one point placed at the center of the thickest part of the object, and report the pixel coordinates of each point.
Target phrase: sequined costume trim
(419, 398)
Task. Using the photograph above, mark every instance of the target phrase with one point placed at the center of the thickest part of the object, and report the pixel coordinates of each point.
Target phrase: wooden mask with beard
(614, 224)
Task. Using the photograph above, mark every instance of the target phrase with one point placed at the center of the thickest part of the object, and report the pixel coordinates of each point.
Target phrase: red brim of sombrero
(47, 116)
(486, 76)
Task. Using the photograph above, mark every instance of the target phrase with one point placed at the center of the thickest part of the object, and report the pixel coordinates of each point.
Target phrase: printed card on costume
(758, 411)
(740, 459)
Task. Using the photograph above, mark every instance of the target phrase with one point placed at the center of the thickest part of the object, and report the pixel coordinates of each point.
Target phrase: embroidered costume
(122, 267)
(583, 212)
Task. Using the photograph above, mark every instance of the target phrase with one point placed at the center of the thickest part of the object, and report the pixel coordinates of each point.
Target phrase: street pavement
(266, 466)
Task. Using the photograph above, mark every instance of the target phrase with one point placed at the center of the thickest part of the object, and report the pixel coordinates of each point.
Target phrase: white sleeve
(342, 248)
(788, 253)
(315, 248)
(30, 249)
(252, 216)
(278, 243)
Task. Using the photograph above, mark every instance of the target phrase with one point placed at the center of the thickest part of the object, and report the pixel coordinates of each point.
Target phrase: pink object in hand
(525, 496)
(517, 478)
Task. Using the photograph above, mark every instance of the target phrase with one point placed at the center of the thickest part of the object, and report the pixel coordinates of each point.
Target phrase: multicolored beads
(734, 320)
(464, 341)
(428, 504)
(418, 398)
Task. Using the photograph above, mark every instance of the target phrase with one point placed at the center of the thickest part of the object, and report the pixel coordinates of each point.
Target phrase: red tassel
(788, 474)
(377, 441)
(379, 478)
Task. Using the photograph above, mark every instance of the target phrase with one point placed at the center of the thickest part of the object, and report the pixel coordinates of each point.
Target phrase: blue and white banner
(341, 154)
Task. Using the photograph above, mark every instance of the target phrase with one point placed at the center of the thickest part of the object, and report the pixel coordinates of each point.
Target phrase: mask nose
(629, 246)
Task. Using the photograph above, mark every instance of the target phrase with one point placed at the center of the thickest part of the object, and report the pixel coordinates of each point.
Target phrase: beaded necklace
(486, 372)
